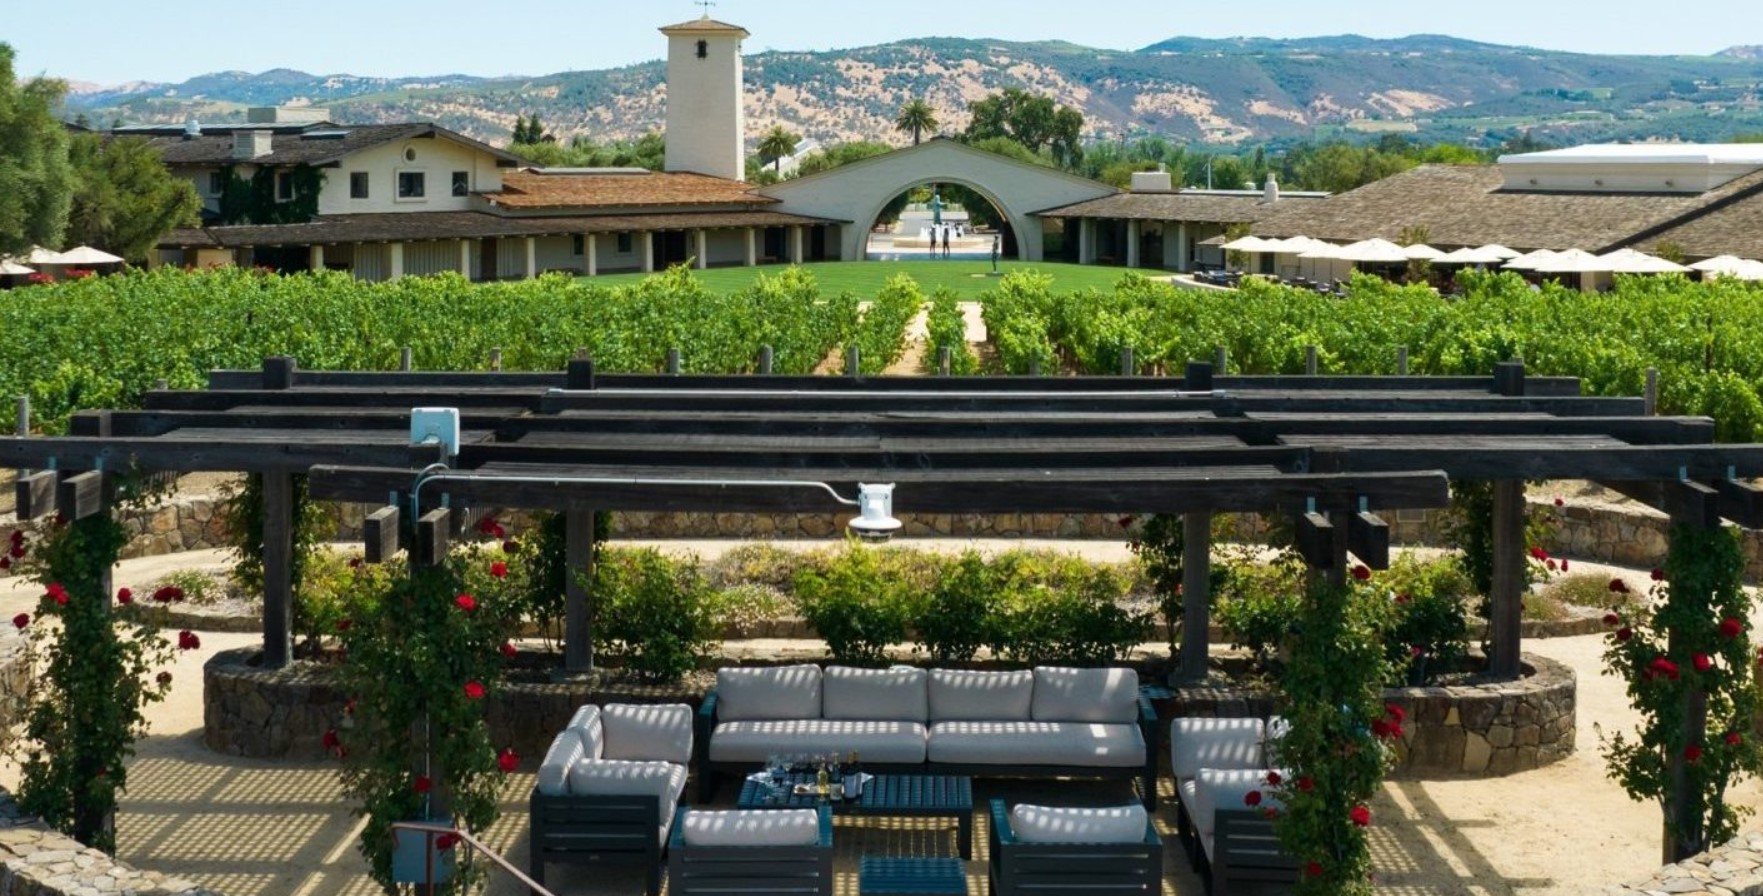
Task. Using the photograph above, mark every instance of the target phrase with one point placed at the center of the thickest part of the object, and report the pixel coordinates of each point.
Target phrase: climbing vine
(255, 201)
(1688, 657)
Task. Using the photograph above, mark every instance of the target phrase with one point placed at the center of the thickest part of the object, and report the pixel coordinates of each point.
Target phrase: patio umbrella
(8, 266)
(1572, 261)
(1248, 244)
(1502, 251)
(1629, 261)
(1483, 255)
(1373, 251)
(85, 255)
(1744, 270)
(40, 255)
(1529, 260)
(1422, 252)
(1728, 265)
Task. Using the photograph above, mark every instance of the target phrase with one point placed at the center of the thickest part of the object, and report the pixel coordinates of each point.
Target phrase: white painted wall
(436, 157)
(857, 192)
(725, 247)
(706, 120)
(372, 261)
(430, 257)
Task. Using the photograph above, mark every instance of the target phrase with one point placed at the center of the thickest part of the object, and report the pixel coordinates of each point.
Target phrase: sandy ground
(262, 828)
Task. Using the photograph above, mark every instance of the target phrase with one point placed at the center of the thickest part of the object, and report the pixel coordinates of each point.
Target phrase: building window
(461, 183)
(216, 183)
(578, 245)
(624, 243)
(284, 186)
(703, 49)
(357, 185)
(411, 185)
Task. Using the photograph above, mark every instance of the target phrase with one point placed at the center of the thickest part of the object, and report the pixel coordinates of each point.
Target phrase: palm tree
(916, 117)
(776, 144)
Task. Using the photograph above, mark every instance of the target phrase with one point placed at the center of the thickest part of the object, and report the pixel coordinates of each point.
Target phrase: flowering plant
(1692, 673)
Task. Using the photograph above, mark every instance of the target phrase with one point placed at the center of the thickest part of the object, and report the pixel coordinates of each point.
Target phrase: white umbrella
(40, 255)
(1744, 270)
(8, 266)
(1483, 255)
(1722, 264)
(1573, 261)
(1422, 252)
(84, 255)
(1373, 251)
(1529, 260)
(1502, 251)
(1629, 261)
(1248, 244)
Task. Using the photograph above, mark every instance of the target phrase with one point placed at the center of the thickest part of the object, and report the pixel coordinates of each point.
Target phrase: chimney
(249, 144)
(192, 128)
(1270, 192)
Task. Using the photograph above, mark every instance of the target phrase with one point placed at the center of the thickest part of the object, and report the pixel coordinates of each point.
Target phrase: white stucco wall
(706, 121)
(857, 192)
(436, 157)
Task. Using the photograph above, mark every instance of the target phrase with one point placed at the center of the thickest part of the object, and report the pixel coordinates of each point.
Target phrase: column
(278, 552)
(315, 257)
(1506, 599)
(701, 248)
(1182, 261)
(1132, 243)
(646, 248)
(394, 261)
(1196, 585)
(1086, 241)
(591, 251)
(532, 257)
(796, 244)
(752, 247)
(465, 259)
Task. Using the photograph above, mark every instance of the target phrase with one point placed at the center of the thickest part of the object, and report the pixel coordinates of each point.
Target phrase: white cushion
(877, 741)
(639, 732)
(1224, 788)
(614, 777)
(1085, 695)
(1062, 824)
(586, 724)
(566, 750)
(1196, 743)
(1085, 744)
(754, 827)
(895, 695)
(1277, 726)
(778, 692)
(958, 695)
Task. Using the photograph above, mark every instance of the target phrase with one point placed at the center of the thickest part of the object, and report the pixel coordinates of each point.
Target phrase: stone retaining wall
(16, 677)
(190, 523)
(36, 861)
(1735, 869)
(1474, 729)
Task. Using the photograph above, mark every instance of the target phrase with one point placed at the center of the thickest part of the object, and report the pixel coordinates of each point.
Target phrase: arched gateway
(856, 193)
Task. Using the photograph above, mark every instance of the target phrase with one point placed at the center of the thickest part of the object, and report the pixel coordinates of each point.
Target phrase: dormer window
(703, 49)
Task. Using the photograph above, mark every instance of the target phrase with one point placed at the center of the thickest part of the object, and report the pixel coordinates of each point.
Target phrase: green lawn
(864, 278)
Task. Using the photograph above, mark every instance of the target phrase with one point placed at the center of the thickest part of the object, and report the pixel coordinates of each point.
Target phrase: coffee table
(911, 796)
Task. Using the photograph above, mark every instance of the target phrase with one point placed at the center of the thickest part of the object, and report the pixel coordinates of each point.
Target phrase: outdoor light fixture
(875, 508)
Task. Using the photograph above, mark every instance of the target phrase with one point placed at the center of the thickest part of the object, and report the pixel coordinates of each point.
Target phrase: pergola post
(796, 244)
(465, 259)
(1690, 505)
(531, 269)
(315, 257)
(1196, 596)
(646, 248)
(278, 557)
(1133, 229)
(394, 261)
(578, 635)
(1505, 598)
(591, 249)
(701, 249)
(752, 247)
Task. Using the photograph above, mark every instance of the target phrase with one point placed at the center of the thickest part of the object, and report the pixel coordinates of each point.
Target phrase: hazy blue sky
(110, 41)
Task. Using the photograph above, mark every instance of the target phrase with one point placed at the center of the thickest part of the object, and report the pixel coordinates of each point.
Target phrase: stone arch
(866, 220)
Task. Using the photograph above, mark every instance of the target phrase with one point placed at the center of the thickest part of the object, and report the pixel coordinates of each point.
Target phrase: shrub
(961, 614)
(1429, 635)
(757, 563)
(1260, 604)
(853, 604)
(742, 607)
(336, 588)
(655, 614)
(198, 587)
(1060, 609)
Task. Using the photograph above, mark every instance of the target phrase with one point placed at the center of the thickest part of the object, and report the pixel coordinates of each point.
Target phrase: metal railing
(464, 836)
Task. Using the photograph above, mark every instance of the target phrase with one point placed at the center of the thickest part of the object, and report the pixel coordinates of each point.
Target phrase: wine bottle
(854, 776)
(822, 786)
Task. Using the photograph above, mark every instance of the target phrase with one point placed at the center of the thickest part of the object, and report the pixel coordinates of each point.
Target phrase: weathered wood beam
(278, 570)
(1196, 588)
(1741, 502)
(809, 454)
(1692, 503)
(35, 494)
(1630, 462)
(203, 454)
(80, 496)
(431, 542)
(1368, 537)
(1505, 629)
(379, 534)
(1315, 536)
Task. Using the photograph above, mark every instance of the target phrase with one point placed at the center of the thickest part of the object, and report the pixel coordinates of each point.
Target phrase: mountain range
(1230, 91)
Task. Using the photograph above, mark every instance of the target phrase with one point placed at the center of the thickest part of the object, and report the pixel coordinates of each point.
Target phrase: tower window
(703, 49)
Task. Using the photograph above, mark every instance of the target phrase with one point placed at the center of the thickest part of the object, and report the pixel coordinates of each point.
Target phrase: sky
(114, 41)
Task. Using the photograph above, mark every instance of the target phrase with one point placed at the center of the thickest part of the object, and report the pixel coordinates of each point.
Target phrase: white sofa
(608, 785)
(1216, 763)
(1048, 721)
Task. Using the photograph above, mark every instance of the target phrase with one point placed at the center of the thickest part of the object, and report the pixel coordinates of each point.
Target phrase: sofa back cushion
(566, 750)
(875, 695)
(761, 694)
(1225, 742)
(960, 695)
(586, 725)
(1063, 824)
(638, 732)
(1063, 694)
(751, 827)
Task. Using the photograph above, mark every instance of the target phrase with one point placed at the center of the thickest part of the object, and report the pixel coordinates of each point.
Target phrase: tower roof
(705, 25)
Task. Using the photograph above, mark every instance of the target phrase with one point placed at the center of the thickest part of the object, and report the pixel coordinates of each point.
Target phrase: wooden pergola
(1334, 450)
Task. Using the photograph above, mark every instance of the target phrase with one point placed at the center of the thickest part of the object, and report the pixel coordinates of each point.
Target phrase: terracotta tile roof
(410, 226)
(705, 25)
(1179, 206)
(1465, 205)
(525, 189)
(318, 144)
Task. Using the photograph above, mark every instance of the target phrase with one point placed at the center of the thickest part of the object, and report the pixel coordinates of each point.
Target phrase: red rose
(1731, 627)
(1270, 813)
(1560, 503)
(487, 525)
(465, 602)
(125, 596)
(499, 569)
(16, 551)
(509, 650)
(1624, 633)
(349, 708)
(1538, 554)
(17, 536)
(1252, 798)
(510, 546)
(1733, 738)
(1395, 712)
(1402, 598)
(1361, 572)
(422, 784)
(1550, 564)
(187, 640)
(21, 620)
(1612, 619)
(1692, 753)
(1563, 564)
(446, 841)
(1661, 667)
(1360, 815)
(164, 678)
(1306, 784)
(5, 562)
(168, 594)
(56, 593)
(1618, 586)
(1416, 651)
(1313, 869)
(1273, 779)
(354, 562)
(1380, 728)
(331, 740)
(1658, 574)
(1702, 662)
(508, 760)
(474, 690)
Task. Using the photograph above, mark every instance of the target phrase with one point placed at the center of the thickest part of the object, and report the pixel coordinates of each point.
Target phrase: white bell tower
(706, 121)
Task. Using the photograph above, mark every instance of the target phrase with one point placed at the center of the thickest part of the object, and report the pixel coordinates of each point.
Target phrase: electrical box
(429, 426)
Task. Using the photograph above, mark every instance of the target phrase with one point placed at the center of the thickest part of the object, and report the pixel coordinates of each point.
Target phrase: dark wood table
(911, 796)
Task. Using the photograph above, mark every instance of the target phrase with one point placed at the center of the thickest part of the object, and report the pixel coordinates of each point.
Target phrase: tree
(530, 131)
(124, 198)
(915, 118)
(776, 144)
(1031, 120)
(843, 154)
(35, 181)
